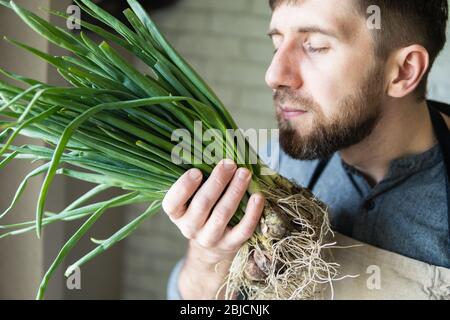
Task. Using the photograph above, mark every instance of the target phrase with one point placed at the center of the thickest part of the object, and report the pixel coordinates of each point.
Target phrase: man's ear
(407, 66)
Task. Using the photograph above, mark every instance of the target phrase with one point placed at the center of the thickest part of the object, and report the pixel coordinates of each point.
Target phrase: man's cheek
(322, 87)
(326, 99)
(333, 78)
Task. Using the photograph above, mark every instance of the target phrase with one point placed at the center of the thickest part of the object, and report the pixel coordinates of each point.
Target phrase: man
(356, 96)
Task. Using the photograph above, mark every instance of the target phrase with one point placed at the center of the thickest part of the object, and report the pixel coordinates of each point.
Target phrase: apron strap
(321, 166)
(441, 107)
(443, 136)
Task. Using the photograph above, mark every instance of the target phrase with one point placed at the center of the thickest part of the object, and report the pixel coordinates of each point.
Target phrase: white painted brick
(244, 26)
(216, 5)
(258, 51)
(260, 7)
(227, 94)
(140, 244)
(258, 100)
(145, 287)
(209, 46)
(182, 21)
(238, 72)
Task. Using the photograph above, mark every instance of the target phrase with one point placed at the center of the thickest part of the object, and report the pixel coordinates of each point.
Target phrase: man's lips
(291, 113)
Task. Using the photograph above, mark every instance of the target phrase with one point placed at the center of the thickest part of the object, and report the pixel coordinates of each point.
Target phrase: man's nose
(284, 71)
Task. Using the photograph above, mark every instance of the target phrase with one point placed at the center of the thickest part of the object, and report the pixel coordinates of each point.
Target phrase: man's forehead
(337, 17)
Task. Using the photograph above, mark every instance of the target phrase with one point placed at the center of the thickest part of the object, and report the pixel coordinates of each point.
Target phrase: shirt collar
(406, 166)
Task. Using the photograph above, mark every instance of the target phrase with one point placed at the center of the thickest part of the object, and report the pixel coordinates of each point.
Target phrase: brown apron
(376, 274)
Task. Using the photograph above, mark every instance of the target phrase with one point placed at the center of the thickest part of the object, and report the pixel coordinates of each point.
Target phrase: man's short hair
(404, 23)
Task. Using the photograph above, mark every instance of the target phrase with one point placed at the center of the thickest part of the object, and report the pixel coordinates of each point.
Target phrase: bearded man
(355, 126)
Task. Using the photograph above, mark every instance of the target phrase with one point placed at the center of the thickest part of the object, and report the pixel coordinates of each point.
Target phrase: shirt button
(369, 205)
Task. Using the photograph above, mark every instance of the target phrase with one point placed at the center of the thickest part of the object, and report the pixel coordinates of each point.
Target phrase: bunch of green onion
(112, 127)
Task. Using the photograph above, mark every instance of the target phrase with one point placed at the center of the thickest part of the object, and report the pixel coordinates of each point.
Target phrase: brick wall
(225, 41)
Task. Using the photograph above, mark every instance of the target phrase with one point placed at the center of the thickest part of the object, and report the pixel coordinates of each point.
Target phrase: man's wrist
(202, 275)
(199, 283)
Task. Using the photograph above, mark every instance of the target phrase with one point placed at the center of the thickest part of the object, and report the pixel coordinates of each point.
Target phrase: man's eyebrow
(307, 29)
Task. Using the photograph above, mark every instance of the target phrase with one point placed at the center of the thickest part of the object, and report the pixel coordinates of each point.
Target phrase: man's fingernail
(243, 174)
(229, 164)
(195, 174)
(258, 199)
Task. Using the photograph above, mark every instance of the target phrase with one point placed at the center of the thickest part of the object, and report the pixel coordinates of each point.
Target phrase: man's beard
(355, 120)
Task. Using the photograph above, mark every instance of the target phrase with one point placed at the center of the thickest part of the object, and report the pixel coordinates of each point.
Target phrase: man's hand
(213, 244)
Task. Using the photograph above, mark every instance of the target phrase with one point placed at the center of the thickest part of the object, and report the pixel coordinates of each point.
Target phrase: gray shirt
(406, 213)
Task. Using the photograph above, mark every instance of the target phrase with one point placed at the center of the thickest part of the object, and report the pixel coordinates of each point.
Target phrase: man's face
(328, 86)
